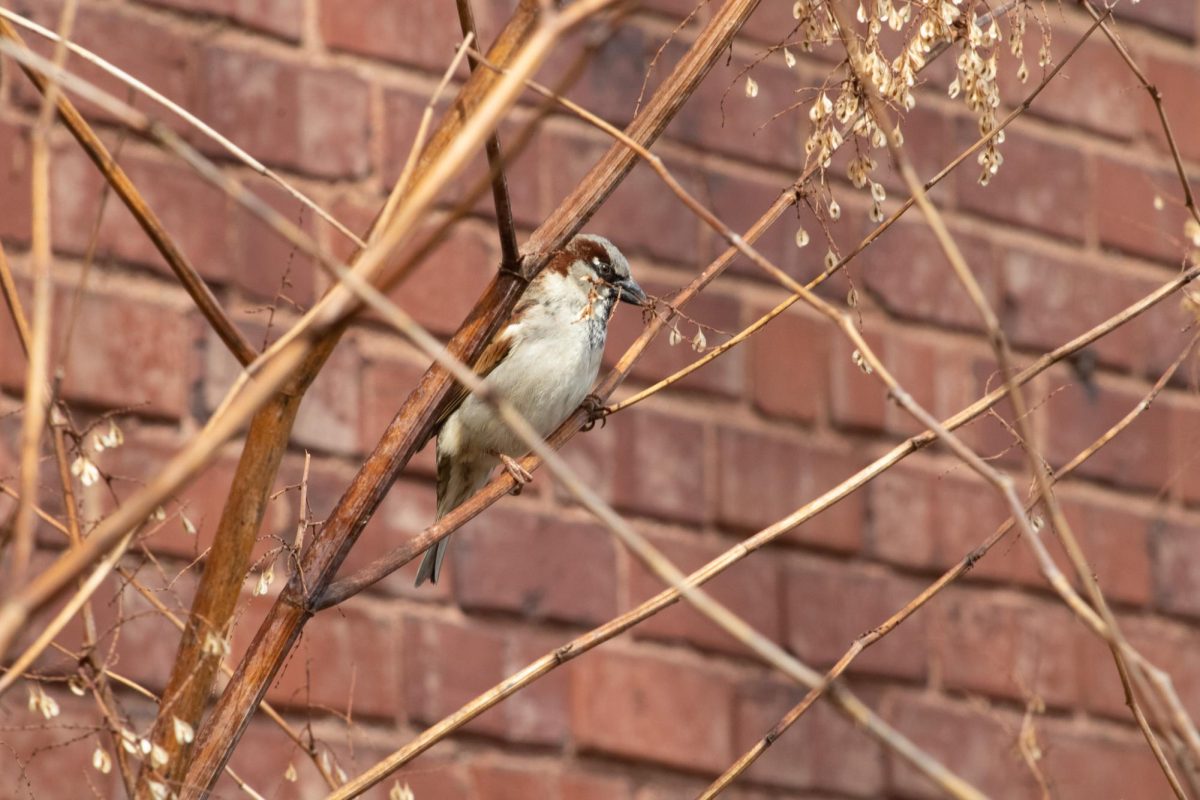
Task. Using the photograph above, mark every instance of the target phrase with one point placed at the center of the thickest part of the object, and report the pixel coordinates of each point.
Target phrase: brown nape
(587, 249)
(561, 261)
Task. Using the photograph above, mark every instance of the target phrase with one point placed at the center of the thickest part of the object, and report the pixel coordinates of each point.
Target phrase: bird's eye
(602, 267)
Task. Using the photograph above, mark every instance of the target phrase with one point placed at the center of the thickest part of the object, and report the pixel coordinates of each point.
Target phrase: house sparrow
(544, 362)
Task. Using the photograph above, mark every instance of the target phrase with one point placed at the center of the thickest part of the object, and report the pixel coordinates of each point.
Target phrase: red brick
(494, 781)
(991, 434)
(1049, 301)
(720, 312)
(857, 399)
(14, 184)
(1040, 185)
(499, 780)
(146, 49)
(431, 777)
(764, 478)
(1085, 763)
(612, 77)
(864, 598)
(591, 786)
(194, 214)
(414, 33)
(822, 750)
(643, 215)
(541, 713)
(448, 664)
(266, 264)
(386, 383)
(1182, 450)
(1125, 216)
(750, 589)
(1175, 17)
(1177, 81)
(720, 117)
(284, 18)
(444, 288)
(137, 352)
(921, 364)
(1095, 90)
(593, 457)
(1177, 569)
(917, 365)
(1116, 539)
(302, 118)
(346, 661)
(535, 566)
(739, 198)
(646, 709)
(661, 465)
(789, 358)
(327, 420)
(262, 760)
(1007, 646)
(51, 758)
(901, 507)
(1135, 459)
(978, 745)
(1170, 646)
(907, 270)
(407, 510)
(403, 109)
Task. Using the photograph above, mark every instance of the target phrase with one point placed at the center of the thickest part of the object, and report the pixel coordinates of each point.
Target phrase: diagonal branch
(1111, 633)
(203, 297)
(615, 627)
(954, 573)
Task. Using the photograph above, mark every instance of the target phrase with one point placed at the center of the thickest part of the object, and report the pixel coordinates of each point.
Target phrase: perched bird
(544, 362)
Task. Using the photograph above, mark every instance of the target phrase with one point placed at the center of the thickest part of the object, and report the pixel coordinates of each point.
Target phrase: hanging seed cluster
(838, 111)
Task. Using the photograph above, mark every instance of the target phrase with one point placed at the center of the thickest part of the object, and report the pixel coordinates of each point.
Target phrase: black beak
(631, 292)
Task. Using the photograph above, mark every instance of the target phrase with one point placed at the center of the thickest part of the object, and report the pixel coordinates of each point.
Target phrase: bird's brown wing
(489, 359)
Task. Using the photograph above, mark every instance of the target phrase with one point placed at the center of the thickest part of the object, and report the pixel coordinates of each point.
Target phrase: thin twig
(115, 175)
(189, 118)
(510, 252)
(613, 628)
(858, 67)
(928, 593)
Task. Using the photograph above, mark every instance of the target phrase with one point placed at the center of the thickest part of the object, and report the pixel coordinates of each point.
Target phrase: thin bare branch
(115, 175)
(188, 117)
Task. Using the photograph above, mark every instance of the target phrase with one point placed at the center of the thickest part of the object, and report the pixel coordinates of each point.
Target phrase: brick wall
(330, 92)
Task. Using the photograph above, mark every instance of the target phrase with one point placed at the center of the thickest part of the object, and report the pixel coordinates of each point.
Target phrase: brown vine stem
(770, 652)
(928, 593)
(193, 672)
(37, 393)
(201, 295)
(1112, 635)
(8, 287)
(618, 625)
(219, 735)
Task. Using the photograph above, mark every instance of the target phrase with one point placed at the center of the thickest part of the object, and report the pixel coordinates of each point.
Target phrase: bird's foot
(596, 411)
(518, 473)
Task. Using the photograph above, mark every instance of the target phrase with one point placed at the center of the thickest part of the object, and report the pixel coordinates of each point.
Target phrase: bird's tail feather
(455, 485)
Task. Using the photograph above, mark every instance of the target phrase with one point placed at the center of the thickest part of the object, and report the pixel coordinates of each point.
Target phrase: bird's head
(595, 260)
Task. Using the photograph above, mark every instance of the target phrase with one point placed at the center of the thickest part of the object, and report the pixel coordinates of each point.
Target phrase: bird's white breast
(550, 368)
